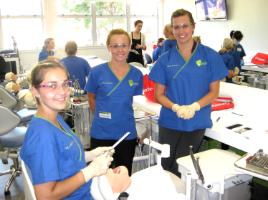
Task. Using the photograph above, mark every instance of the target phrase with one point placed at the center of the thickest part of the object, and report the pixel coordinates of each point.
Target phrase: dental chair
(10, 101)
(11, 139)
(7, 99)
(27, 182)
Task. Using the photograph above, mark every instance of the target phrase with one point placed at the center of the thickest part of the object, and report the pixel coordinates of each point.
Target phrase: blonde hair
(197, 39)
(227, 45)
(117, 32)
(182, 12)
(168, 31)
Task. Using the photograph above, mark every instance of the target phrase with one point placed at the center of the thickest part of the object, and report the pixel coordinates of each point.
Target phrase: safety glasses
(53, 85)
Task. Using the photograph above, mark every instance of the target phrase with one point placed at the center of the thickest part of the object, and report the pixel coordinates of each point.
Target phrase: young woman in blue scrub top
(237, 37)
(170, 39)
(111, 87)
(47, 51)
(228, 57)
(186, 82)
(52, 152)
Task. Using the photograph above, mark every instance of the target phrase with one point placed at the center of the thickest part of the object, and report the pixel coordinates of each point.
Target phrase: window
(87, 22)
(98, 17)
(25, 33)
(109, 15)
(20, 24)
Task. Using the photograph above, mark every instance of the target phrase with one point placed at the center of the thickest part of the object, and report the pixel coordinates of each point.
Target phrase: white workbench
(251, 110)
(255, 68)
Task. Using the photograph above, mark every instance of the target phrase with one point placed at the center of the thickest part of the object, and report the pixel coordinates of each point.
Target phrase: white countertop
(255, 68)
(251, 110)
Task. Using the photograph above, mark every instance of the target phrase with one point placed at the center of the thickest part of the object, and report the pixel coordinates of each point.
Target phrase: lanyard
(69, 133)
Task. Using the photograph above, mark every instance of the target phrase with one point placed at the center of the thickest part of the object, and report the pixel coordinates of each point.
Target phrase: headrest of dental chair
(7, 99)
(8, 120)
(14, 138)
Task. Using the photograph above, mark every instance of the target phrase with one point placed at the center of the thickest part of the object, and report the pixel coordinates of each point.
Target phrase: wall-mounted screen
(211, 9)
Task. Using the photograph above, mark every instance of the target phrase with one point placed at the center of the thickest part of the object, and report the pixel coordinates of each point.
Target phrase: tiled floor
(16, 189)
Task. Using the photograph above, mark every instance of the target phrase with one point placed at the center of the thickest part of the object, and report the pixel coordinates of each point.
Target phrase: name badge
(105, 115)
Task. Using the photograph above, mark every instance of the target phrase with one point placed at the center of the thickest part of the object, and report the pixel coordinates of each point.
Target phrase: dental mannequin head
(109, 186)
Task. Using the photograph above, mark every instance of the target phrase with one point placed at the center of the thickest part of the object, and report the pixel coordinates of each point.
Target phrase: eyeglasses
(118, 46)
(53, 85)
(181, 26)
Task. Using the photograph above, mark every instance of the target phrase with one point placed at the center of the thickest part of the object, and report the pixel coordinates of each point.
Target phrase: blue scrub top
(43, 55)
(228, 60)
(113, 115)
(54, 155)
(187, 82)
(236, 56)
(168, 44)
(157, 53)
(239, 48)
(78, 69)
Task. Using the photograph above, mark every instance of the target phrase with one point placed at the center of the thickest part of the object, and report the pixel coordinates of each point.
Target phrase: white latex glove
(188, 112)
(97, 167)
(175, 107)
(91, 155)
(236, 71)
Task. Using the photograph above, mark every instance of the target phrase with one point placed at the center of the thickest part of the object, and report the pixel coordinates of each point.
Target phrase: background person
(47, 51)
(170, 39)
(186, 82)
(237, 38)
(52, 152)
(137, 44)
(227, 55)
(77, 67)
(111, 87)
(158, 50)
(3, 68)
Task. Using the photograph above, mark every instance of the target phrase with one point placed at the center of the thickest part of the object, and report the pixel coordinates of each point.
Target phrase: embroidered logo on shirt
(200, 63)
(106, 83)
(69, 145)
(172, 65)
(130, 82)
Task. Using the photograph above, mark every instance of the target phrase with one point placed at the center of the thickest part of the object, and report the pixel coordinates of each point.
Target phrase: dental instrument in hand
(121, 139)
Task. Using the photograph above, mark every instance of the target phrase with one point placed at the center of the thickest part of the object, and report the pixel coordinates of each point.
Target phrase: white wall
(246, 15)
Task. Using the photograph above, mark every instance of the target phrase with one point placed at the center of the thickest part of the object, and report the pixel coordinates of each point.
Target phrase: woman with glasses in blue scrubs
(187, 79)
(111, 87)
(51, 150)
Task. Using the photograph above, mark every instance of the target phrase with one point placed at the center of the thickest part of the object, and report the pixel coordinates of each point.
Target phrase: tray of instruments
(254, 164)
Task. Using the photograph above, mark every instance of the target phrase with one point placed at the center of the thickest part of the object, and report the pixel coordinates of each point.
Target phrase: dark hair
(232, 33)
(117, 32)
(39, 71)
(182, 12)
(238, 35)
(71, 48)
(160, 40)
(138, 22)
